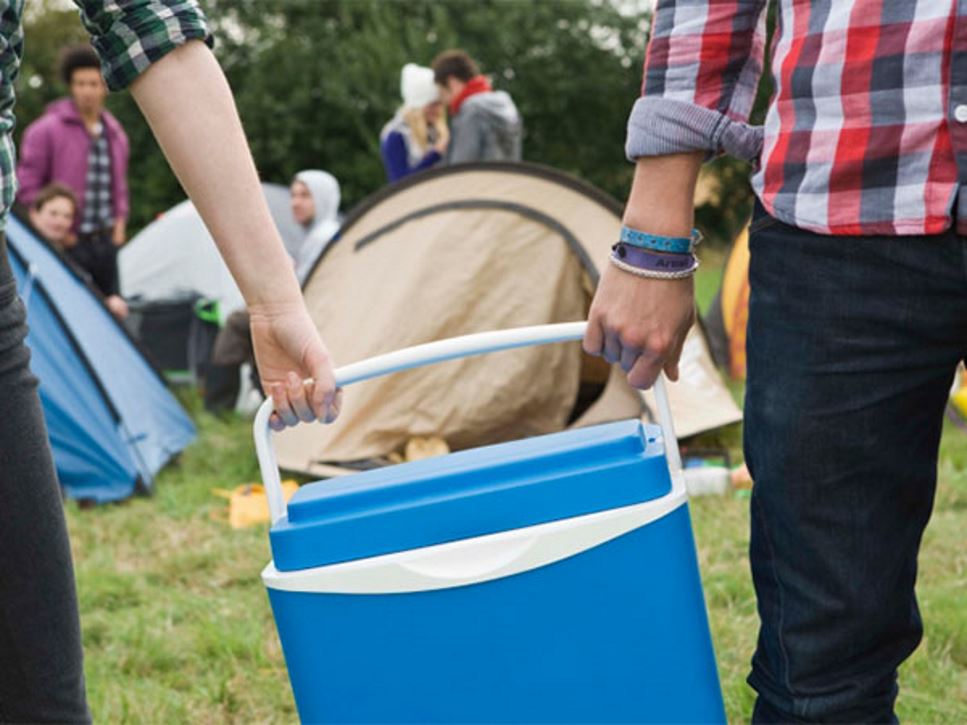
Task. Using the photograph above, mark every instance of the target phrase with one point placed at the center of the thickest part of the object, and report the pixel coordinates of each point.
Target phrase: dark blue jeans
(41, 676)
(852, 347)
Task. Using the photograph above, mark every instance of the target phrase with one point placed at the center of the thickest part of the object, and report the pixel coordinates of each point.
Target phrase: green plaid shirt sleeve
(11, 50)
(130, 35)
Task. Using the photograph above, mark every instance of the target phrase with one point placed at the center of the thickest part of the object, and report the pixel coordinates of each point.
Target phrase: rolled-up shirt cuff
(130, 37)
(659, 126)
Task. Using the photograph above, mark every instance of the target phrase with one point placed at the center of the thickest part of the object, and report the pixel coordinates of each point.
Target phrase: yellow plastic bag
(420, 447)
(248, 505)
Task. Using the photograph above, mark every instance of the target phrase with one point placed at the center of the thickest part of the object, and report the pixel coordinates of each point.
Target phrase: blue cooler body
(547, 580)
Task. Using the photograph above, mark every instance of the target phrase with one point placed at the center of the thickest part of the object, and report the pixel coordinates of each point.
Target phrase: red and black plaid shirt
(866, 132)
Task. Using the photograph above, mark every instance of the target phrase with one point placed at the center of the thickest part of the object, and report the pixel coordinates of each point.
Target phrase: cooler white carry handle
(441, 351)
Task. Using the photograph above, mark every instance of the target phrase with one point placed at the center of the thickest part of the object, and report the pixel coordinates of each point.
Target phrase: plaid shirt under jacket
(129, 35)
(866, 132)
(97, 210)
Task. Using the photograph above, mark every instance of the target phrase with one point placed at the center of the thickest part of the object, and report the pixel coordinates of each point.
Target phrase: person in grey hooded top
(485, 125)
(315, 205)
(314, 196)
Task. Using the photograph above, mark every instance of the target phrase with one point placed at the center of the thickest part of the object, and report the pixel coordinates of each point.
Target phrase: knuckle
(634, 339)
(660, 344)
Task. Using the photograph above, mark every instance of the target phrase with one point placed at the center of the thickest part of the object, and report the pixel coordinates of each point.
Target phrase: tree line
(315, 80)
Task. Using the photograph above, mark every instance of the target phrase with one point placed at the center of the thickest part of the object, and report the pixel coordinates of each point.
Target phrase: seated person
(52, 215)
(315, 198)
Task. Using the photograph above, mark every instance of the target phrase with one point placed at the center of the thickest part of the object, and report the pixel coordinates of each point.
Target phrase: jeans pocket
(761, 219)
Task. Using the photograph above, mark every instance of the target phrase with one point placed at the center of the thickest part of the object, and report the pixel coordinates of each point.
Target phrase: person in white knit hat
(417, 136)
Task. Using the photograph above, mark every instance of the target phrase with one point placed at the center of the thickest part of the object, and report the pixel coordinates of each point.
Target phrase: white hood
(326, 197)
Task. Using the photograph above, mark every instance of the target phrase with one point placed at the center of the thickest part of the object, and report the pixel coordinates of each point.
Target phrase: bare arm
(698, 90)
(662, 192)
(119, 231)
(189, 106)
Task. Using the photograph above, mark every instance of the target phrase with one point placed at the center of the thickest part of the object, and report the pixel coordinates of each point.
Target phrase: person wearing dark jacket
(416, 138)
(484, 124)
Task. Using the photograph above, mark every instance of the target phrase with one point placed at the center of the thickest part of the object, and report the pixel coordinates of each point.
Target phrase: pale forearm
(661, 195)
(188, 104)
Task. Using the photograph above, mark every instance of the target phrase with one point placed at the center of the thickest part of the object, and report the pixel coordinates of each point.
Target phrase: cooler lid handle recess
(440, 351)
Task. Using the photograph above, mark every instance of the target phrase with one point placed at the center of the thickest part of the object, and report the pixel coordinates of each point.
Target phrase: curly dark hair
(75, 58)
(454, 64)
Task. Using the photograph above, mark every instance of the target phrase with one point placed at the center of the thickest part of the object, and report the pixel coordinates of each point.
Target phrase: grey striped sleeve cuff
(659, 126)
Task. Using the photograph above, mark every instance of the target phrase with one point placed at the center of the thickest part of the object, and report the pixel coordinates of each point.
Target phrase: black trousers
(41, 669)
(97, 255)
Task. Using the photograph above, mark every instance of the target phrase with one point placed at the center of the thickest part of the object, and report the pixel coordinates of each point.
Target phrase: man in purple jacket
(81, 145)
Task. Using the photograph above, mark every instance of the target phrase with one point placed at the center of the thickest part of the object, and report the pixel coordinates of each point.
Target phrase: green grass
(708, 279)
(177, 626)
(933, 683)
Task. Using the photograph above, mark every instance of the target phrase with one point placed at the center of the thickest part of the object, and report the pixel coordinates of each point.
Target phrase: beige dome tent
(466, 249)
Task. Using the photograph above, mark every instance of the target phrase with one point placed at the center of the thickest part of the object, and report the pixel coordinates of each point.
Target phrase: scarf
(477, 84)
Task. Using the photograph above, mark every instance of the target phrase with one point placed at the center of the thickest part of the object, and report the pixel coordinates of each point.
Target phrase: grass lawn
(177, 626)
(934, 681)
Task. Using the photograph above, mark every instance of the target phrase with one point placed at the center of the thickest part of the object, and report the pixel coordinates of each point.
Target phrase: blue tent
(113, 424)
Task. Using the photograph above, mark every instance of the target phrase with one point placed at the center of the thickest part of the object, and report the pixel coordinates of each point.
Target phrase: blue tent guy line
(112, 422)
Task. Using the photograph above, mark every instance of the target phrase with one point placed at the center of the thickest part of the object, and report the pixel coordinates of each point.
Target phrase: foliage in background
(315, 80)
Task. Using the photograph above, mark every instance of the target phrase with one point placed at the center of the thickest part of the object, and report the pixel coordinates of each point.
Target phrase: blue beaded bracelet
(674, 245)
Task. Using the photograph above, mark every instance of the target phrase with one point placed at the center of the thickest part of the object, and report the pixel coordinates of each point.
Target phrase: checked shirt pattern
(97, 213)
(129, 35)
(866, 132)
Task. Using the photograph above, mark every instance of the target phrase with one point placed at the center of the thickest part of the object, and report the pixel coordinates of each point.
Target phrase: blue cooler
(545, 580)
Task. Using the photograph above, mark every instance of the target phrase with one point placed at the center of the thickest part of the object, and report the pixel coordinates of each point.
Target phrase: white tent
(175, 255)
